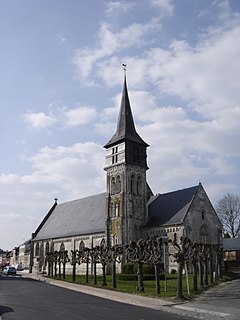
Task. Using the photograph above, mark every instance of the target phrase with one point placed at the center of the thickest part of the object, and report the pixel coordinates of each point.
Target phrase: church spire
(125, 127)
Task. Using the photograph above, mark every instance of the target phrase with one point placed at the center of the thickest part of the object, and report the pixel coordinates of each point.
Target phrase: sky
(61, 80)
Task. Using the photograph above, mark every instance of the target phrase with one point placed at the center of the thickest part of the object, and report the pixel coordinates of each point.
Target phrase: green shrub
(162, 277)
(128, 268)
(148, 269)
(149, 277)
(173, 271)
(127, 277)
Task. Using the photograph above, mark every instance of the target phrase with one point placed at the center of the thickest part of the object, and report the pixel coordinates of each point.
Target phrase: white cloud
(79, 116)
(39, 119)
(205, 74)
(191, 140)
(71, 167)
(205, 77)
(111, 73)
(109, 43)
(65, 116)
(225, 10)
(195, 140)
(64, 172)
(116, 7)
(166, 7)
(183, 151)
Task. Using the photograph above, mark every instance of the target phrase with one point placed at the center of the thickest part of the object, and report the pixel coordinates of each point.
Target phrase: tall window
(37, 249)
(47, 248)
(115, 239)
(118, 184)
(102, 243)
(62, 247)
(113, 185)
(81, 246)
(114, 155)
(204, 234)
(175, 237)
(139, 185)
(132, 183)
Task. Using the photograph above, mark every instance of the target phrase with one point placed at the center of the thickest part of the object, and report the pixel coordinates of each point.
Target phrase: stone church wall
(69, 243)
(201, 222)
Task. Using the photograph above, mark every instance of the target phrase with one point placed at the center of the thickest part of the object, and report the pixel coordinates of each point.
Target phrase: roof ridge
(87, 197)
(178, 190)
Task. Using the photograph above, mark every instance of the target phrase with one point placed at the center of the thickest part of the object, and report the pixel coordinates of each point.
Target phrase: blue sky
(60, 86)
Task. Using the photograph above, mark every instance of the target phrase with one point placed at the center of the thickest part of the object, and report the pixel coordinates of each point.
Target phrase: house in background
(231, 248)
(24, 255)
(128, 210)
(5, 258)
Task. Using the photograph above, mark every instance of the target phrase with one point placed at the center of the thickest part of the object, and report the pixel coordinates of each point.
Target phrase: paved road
(27, 299)
(220, 302)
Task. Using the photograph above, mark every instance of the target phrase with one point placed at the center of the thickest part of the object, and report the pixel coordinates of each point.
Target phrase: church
(128, 209)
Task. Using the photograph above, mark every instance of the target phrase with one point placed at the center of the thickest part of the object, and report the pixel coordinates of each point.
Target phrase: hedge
(131, 268)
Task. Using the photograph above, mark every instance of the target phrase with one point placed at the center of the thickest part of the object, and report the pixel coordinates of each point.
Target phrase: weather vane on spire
(124, 68)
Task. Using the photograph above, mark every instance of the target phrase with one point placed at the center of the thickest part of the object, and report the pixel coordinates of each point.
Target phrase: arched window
(115, 240)
(62, 247)
(102, 243)
(37, 249)
(113, 185)
(132, 184)
(204, 234)
(203, 215)
(139, 185)
(175, 237)
(81, 246)
(47, 248)
(118, 184)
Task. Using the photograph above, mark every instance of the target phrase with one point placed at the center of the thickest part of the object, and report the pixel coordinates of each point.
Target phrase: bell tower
(126, 166)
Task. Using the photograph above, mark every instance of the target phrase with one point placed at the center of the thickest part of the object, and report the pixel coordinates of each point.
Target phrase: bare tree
(116, 256)
(104, 256)
(63, 259)
(228, 210)
(94, 254)
(74, 260)
(181, 256)
(194, 258)
(154, 257)
(136, 253)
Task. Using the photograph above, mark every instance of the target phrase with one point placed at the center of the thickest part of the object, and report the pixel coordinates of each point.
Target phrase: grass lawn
(168, 287)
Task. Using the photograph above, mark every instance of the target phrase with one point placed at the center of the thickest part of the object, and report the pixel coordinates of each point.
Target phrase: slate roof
(125, 127)
(170, 208)
(78, 217)
(87, 215)
(231, 244)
